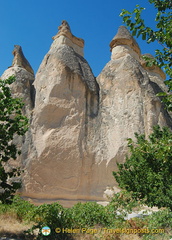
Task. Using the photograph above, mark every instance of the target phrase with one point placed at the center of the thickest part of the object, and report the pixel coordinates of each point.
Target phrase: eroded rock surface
(22, 88)
(20, 60)
(80, 124)
(67, 96)
(128, 101)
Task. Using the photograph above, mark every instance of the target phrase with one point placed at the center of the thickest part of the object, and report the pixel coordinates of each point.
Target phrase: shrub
(88, 215)
(147, 172)
(24, 209)
(51, 215)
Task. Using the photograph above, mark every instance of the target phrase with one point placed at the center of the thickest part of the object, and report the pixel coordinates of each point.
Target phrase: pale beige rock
(20, 60)
(128, 102)
(64, 36)
(66, 101)
(109, 192)
(79, 127)
(22, 88)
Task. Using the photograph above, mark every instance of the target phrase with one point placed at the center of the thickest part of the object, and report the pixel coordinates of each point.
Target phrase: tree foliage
(147, 172)
(162, 33)
(12, 123)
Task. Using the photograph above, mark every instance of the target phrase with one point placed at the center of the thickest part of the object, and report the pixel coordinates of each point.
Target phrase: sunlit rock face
(66, 108)
(128, 101)
(22, 88)
(79, 124)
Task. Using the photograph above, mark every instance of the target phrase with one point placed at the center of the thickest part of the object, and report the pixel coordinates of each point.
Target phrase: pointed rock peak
(20, 60)
(123, 37)
(64, 27)
(151, 67)
(65, 31)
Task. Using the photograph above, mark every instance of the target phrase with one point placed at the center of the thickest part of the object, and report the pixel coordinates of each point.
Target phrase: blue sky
(32, 24)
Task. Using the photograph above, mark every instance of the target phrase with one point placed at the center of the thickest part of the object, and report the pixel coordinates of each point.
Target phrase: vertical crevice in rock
(92, 104)
(32, 93)
(87, 112)
(46, 61)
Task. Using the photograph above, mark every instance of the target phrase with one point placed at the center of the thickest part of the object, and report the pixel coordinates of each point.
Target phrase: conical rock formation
(80, 124)
(66, 100)
(22, 88)
(128, 101)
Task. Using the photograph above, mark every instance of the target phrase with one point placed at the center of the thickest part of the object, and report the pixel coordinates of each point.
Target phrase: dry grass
(10, 226)
(107, 237)
(130, 237)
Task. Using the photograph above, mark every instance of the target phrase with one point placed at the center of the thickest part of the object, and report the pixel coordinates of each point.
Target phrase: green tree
(12, 123)
(147, 173)
(162, 33)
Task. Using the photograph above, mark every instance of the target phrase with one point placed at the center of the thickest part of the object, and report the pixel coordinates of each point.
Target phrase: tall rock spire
(66, 106)
(128, 101)
(24, 75)
(22, 88)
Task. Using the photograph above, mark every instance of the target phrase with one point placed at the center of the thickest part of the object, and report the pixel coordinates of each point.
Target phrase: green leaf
(144, 35)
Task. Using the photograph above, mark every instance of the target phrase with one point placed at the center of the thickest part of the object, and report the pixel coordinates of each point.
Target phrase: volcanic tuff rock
(20, 60)
(123, 37)
(22, 88)
(128, 103)
(80, 124)
(66, 37)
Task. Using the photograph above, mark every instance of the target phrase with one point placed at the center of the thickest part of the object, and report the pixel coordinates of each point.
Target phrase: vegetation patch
(83, 221)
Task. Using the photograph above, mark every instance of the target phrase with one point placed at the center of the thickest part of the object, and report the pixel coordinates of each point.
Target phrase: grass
(10, 226)
(19, 217)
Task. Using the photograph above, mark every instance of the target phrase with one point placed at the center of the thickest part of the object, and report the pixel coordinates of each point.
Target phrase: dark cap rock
(123, 37)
